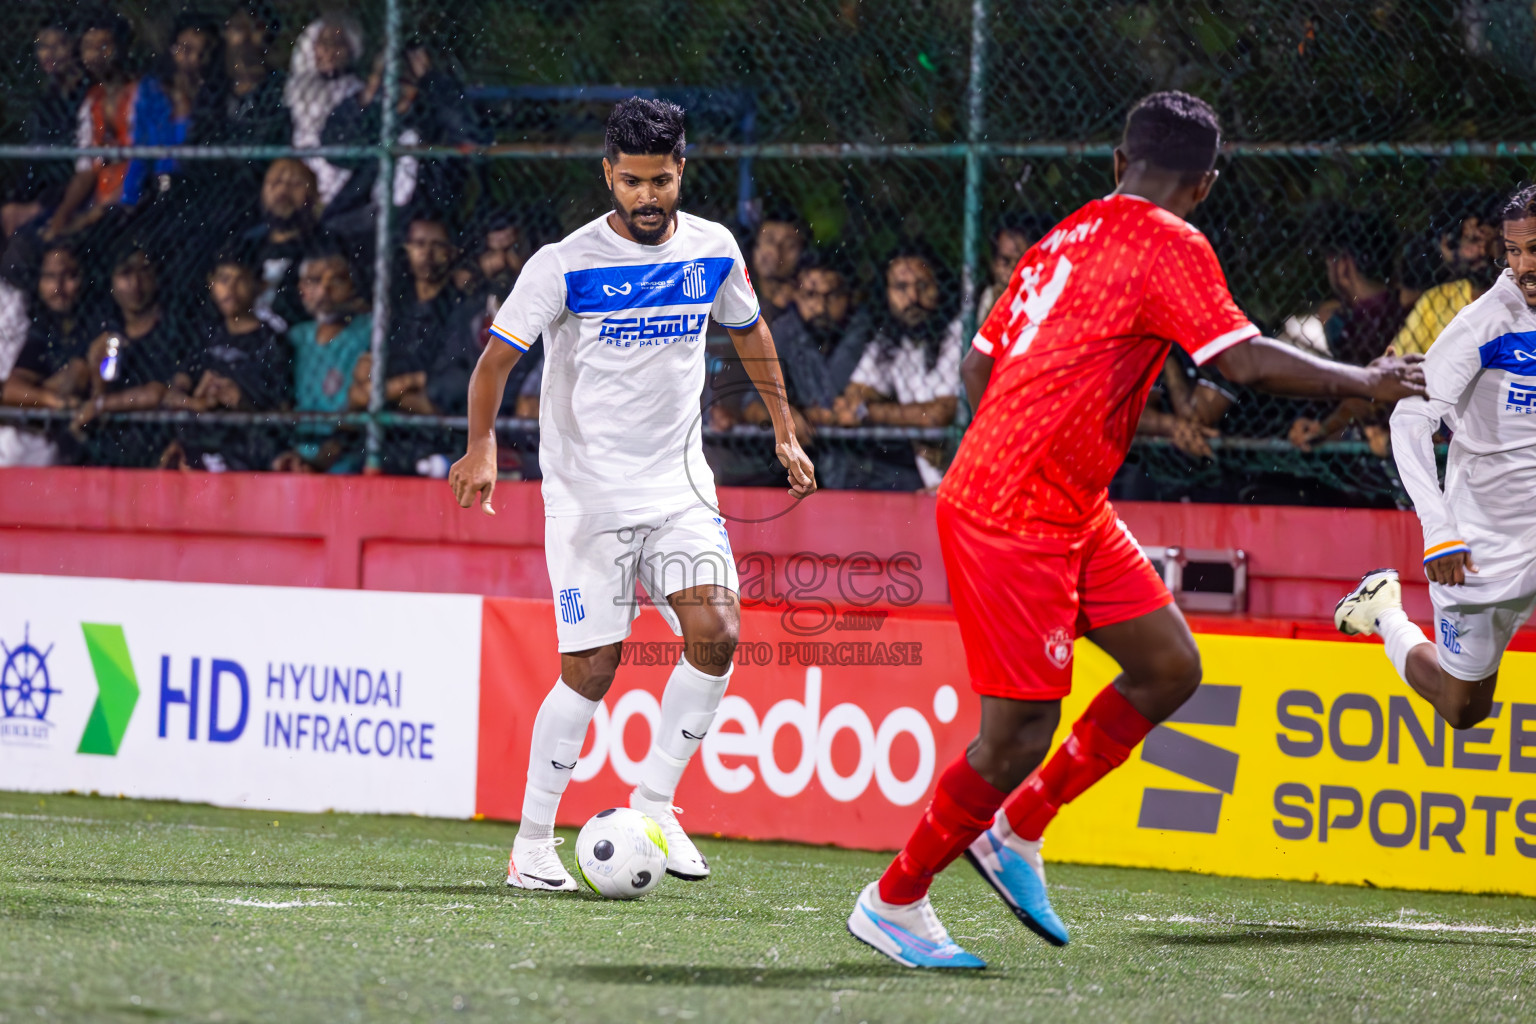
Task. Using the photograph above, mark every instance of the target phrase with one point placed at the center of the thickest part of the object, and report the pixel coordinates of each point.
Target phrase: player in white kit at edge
(1480, 531)
(622, 304)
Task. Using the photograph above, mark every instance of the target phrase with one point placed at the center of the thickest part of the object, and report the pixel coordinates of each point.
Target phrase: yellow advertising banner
(1310, 760)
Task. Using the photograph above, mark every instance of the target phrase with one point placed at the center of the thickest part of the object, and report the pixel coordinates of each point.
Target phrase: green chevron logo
(117, 689)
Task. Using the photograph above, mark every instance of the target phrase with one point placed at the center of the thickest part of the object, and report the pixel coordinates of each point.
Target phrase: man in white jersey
(622, 304)
(1480, 531)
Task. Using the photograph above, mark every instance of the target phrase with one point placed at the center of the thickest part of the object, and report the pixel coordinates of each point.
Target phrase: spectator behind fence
(52, 119)
(132, 362)
(1470, 248)
(288, 230)
(242, 366)
(432, 111)
(1011, 239)
(320, 78)
(496, 256)
(1357, 251)
(776, 249)
(419, 317)
(253, 113)
(820, 339)
(50, 371)
(108, 116)
(18, 447)
(326, 349)
(909, 374)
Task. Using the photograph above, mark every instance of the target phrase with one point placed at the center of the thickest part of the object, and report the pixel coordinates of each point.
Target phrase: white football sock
(558, 732)
(1401, 636)
(688, 706)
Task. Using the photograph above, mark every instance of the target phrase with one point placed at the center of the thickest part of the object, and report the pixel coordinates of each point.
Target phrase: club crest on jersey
(695, 281)
(1058, 647)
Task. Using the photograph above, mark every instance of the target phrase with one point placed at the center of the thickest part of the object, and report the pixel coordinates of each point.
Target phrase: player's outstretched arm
(475, 474)
(755, 347)
(1447, 558)
(1282, 370)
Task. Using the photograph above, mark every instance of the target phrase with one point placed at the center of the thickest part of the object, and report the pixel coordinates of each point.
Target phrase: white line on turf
(1407, 926)
(278, 905)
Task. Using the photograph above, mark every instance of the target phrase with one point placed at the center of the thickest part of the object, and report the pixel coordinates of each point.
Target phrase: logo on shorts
(571, 611)
(1450, 636)
(1058, 647)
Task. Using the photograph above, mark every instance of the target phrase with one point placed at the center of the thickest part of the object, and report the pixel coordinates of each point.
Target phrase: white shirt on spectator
(905, 376)
(310, 97)
(18, 447)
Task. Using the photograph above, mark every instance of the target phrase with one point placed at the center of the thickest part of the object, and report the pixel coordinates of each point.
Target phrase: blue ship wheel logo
(25, 689)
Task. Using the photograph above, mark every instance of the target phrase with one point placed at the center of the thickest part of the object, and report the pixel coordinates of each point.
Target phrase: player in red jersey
(1035, 554)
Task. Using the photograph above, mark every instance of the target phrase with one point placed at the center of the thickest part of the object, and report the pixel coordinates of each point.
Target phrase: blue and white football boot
(1014, 868)
(908, 933)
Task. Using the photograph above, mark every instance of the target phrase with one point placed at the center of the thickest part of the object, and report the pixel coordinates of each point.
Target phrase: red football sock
(962, 808)
(1101, 740)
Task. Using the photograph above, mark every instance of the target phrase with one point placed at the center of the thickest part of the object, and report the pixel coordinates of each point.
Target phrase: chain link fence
(271, 234)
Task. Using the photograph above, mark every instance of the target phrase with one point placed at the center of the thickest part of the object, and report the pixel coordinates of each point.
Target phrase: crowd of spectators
(210, 286)
(1391, 293)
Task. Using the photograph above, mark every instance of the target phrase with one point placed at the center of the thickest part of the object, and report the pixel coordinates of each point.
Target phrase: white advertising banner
(270, 697)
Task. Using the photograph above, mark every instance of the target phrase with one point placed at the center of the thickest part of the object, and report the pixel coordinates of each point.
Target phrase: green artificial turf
(117, 909)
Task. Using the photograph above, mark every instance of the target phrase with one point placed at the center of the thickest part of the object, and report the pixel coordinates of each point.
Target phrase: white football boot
(683, 858)
(911, 934)
(535, 865)
(1358, 610)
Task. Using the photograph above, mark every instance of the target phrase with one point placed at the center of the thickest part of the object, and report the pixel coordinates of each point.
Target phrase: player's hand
(1304, 431)
(802, 475)
(1193, 438)
(1397, 377)
(475, 476)
(1450, 571)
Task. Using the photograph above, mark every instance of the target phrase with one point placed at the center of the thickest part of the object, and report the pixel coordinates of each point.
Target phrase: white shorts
(1475, 622)
(596, 560)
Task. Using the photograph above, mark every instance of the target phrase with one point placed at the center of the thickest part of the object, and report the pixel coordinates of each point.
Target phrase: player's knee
(1173, 672)
(1467, 710)
(711, 640)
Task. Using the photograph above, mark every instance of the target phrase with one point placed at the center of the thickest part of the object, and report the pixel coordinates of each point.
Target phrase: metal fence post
(384, 202)
(970, 276)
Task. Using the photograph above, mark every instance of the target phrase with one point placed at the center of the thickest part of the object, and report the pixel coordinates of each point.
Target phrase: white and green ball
(621, 853)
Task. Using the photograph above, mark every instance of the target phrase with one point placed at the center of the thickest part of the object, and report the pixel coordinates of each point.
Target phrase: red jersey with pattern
(1079, 337)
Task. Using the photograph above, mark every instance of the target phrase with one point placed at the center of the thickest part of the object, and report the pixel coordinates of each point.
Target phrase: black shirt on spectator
(52, 341)
(418, 331)
(257, 362)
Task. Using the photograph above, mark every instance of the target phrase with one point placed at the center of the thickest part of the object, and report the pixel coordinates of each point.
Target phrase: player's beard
(643, 235)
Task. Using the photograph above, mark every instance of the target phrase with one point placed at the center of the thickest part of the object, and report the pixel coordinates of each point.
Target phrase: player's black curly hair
(641, 126)
(1173, 131)
(1519, 206)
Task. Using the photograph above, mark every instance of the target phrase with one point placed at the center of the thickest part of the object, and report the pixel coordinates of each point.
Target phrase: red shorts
(1022, 600)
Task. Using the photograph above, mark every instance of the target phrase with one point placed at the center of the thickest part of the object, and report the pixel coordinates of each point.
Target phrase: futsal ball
(621, 853)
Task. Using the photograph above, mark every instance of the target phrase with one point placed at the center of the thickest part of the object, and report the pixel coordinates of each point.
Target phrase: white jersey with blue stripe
(1481, 378)
(623, 327)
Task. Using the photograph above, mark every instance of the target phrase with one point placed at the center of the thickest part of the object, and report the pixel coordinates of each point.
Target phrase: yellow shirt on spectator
(1431, 315)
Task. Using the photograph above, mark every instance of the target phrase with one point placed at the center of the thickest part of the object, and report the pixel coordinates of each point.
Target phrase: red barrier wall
(393, 533)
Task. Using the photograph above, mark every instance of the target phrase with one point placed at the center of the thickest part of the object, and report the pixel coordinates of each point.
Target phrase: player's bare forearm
(1280, 369)
(474, 476)
(976, 372)
(487, 384)
(754, 345)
